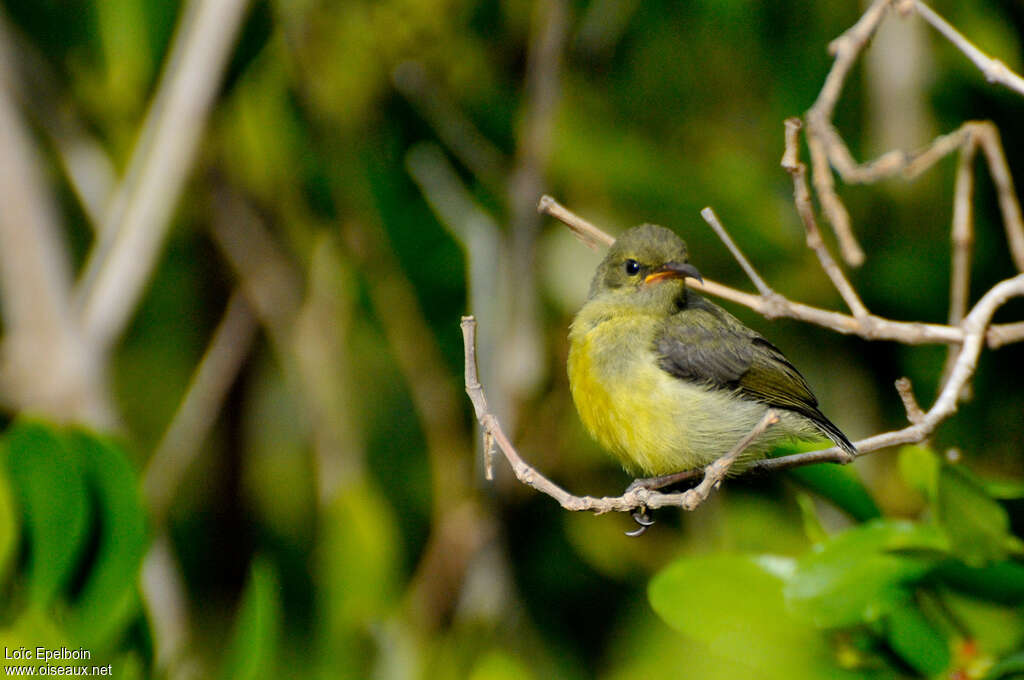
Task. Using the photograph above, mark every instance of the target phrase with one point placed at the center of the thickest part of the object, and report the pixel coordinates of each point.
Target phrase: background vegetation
(269, 470)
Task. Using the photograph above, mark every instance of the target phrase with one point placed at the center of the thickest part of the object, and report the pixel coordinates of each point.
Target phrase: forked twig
(635, 497)
(970, 336)
(776, 306)
(966, 334)
(828, 150)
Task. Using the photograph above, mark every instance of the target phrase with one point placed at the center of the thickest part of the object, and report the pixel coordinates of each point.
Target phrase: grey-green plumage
(668, 380)
(704, 343)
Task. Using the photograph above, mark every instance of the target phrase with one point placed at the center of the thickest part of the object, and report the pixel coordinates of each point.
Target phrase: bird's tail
(835, 434)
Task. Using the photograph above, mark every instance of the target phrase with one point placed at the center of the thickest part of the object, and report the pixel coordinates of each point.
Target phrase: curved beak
(674, 270)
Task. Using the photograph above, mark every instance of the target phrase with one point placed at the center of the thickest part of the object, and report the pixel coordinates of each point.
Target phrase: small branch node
(906, 391)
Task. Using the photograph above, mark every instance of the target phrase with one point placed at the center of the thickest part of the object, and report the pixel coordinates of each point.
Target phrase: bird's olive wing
(703, 343)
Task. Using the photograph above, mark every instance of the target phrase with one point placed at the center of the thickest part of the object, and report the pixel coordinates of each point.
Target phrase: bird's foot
(654, 483)
(643, 519)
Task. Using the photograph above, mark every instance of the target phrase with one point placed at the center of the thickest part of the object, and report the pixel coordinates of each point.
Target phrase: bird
(668, 381)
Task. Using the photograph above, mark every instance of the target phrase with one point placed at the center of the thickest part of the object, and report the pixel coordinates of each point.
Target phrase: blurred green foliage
(906, 567)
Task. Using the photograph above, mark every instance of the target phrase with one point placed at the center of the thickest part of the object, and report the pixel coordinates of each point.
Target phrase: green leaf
(916, 641)
(734, 605)
(977, 525)
(919, 467)
(862, 573)
(1010, 667)
(812, 525)
(252, 652)
(995, 629)
(8, 524)
(109, 597)
(358, 546)
(48, 480)
(1004, 489)
(997, 581)
(841, 485)
(498, 664)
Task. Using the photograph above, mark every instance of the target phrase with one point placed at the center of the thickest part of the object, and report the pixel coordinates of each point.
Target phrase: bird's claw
(643, 520)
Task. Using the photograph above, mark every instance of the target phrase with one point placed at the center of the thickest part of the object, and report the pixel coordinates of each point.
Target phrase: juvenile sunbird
(668, 381)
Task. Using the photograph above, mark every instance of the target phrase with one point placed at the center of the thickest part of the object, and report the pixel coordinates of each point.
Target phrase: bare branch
(828, 149)
(988, 138)
(481, 239)
(994, 70)
(870, 327)
(712, 219)
(906, 391)
(523, 364)
(584, 230)
(971, 335)
(124, 255)
(974, 326)
(45, 365)
(636, 496)
(966, 333)
(198, 410)
(1005, 334)
(164, 596)
(802, 199)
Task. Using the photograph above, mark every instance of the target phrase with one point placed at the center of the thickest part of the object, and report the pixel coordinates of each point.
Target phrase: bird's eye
(632, 267)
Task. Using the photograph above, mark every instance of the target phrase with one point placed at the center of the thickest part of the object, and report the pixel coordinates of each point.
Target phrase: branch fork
(966, 333)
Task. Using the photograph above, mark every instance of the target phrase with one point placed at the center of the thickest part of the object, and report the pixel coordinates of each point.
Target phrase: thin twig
(584, 230)
(972, 334)
(45, 364)
(123, 258)
(636, 496)
(961, 235)
(994, 70)
(905, 389)
(197, 412)
(828, 150)
(974, 325)
(846, 49)
(89, 168)
(1009, 206)
(166, 599)
(802, 199)
(480, 237)
(870, 328)
(522, 355)
(712, 219)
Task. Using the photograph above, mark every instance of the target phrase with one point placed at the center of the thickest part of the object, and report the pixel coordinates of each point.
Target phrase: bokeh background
(280, 474)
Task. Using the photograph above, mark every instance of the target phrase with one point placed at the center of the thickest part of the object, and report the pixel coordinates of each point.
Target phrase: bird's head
(647, 265)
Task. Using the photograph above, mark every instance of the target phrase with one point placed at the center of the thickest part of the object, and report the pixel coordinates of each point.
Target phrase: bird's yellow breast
(653, 422)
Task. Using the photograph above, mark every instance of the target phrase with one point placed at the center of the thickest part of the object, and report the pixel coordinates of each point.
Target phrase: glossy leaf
(916, 641)
(1010, 668)
(993, 629)
(358, 546)
(997, 581)
(863, 573)
(919, 466)
(9, 526)
(812, 525)
(977, 525)
(500, 665)
(109, 597)
(252, 651)
(48, 480)
(841, 485)
(734, 605)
